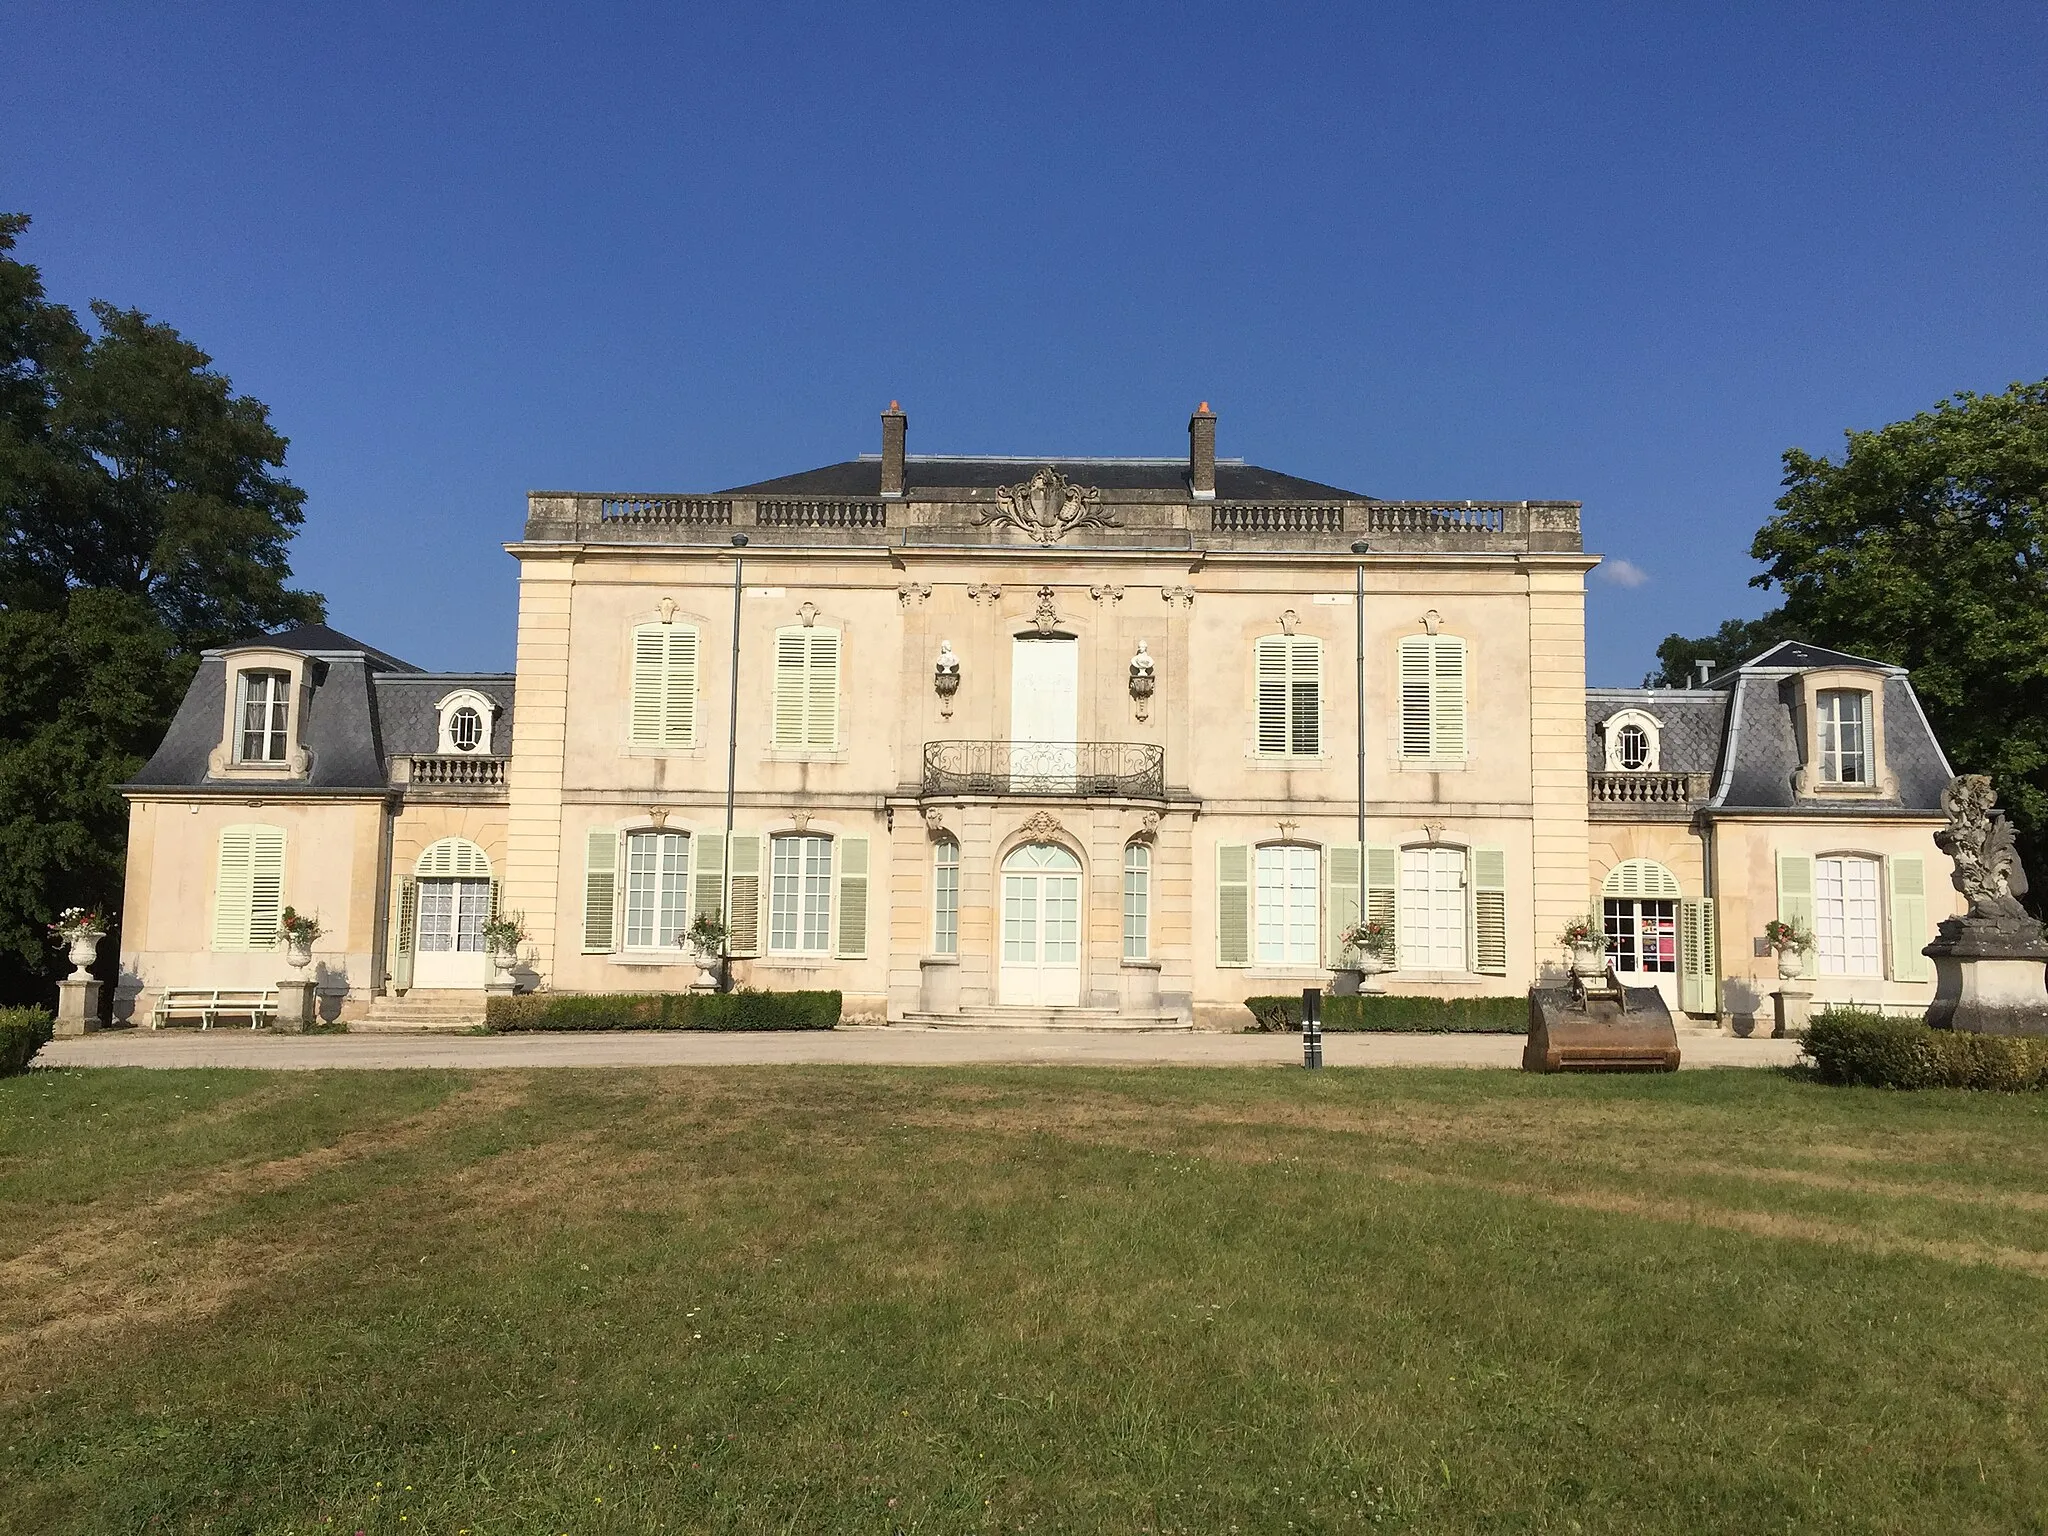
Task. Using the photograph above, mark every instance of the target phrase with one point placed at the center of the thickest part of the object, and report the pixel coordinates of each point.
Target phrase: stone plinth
(78, 1006)
(295, 1006)
(939, 984)
(1794, 1010)
(1990, 977)
(1141, 986)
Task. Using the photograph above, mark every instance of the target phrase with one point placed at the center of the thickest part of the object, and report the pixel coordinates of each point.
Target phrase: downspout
(732, 757)
(1358, 677)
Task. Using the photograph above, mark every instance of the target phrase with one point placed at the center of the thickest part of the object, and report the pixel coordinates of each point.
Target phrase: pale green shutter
(600, 891)
(1909, 919)
(1415, 690)
(1699, 957)
(1795, 891)
(821, 712)
(679, 688)
(745, 921)
(1270, 665)
(1343, 897)
(1383, 888)
(1233, 904)
(710, 877)
(1305, 697)
(649, 653)
(231, 890)
(853, 898)
(1447, 699)
(407, 905)
(1490, 911)
(266, 886)
(790, 655)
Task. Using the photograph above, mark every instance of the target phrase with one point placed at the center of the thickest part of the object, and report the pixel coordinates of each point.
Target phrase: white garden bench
(208, 1004)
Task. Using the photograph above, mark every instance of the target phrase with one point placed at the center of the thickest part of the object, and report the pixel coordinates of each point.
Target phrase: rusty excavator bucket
(1598, 1025)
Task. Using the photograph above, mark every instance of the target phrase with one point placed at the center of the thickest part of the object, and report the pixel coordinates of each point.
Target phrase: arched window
(1639, 915)
(1846, 915)
(800, 895)
(1138, 901)
(265, 699)
(657, 888)
(1287, 887)
(1432, 696)
(664, 686)
(1844, 736)
(945, 897)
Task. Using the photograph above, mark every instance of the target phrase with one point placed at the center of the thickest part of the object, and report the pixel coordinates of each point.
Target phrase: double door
(1041, 938)
(448, 942)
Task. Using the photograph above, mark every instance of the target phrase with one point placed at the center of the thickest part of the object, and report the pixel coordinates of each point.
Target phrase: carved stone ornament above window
(1048, 506)
(1042, 826)
(1048, 617)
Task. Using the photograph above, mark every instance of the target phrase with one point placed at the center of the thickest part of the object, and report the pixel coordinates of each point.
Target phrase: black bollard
(1311, 1026)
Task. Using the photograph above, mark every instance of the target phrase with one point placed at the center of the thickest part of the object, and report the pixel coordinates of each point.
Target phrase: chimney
(1202, 453)
(895, 428)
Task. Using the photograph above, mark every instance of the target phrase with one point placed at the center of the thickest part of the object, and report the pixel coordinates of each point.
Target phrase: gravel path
(851, 1047)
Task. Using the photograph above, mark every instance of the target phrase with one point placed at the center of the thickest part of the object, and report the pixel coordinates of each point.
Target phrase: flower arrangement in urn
(1372, 940)
(298, 932)
(1582, 937)
(80, 930)
(706, 939)
(1791, 942)
(503, 935)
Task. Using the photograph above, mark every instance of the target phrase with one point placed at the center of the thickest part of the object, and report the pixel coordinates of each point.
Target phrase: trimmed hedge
(1397, 1015)
(662, 1010)
(1855, 1045)
(23, 1032)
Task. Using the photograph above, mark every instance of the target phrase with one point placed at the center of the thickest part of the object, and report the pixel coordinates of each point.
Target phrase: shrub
(23, 1032)
(1855, 1045)
(1397, 1015)
(662, 1010)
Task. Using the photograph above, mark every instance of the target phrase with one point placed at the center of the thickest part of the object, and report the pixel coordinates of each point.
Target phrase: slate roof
(1691, 724)
(411, 723)
(320, 640)
(863, 477)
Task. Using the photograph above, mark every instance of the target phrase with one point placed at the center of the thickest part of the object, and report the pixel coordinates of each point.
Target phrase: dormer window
(466, 722)
(264, 712)
(1632, 746)
(1631, 737)
(465, 729)
(1844, 736)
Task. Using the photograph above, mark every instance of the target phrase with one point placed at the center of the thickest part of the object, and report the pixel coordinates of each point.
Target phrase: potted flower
(1582, 937)
(705, 938)
(1791, 942)
(80, 930)
(298, 932)
(1372, 941)
(503, 935)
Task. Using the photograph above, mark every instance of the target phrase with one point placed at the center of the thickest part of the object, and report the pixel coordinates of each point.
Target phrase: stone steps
(435, 1012)
(1104, 1020)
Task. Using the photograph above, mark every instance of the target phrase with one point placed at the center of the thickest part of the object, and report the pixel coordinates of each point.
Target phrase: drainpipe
(732, 757)
(1358, 675)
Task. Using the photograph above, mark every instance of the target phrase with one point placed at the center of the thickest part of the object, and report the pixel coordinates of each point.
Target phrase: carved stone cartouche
(1047, 506)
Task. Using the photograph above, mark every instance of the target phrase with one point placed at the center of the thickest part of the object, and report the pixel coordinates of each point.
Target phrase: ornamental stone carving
(1043, 827)
(1106, 594)
(1048, 616)
(1047, 507)
(983, 592)
(1980, 841)
(1177, 597)
(913, 592)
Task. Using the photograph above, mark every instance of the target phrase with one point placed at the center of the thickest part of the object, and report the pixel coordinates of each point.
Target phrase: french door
(1044, 714)
(1041, 928)
(448, 946)
(1642, 944)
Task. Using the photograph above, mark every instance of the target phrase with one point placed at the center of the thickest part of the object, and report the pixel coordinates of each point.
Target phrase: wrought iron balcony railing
(1131, 770)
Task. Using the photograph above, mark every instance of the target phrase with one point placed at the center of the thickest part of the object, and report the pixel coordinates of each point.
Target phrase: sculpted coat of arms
(1047, 506)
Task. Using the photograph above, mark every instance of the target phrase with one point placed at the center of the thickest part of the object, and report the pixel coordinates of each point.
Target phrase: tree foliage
(144, 515)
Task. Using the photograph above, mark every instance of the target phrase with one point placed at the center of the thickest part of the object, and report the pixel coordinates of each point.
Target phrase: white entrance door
(1044, 714)
(1041, 928)
(448, 949)
(1431, 929)
(1642, 943)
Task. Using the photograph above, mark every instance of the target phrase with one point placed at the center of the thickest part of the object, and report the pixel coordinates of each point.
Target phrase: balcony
(456, 775)
(1127, 770)
(1635, 796)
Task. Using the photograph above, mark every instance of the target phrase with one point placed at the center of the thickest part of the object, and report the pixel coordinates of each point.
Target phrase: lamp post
(732, 757)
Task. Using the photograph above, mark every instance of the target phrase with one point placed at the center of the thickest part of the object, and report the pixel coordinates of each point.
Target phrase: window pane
(1062, 919)
(946, 897)
(465, 729)
(817, 893)
(1020, 918)
(1137, 901)
(783, 893)
(643, 854)
(1618, 918)
(472, 910)
(437, 916)
(1845, 916)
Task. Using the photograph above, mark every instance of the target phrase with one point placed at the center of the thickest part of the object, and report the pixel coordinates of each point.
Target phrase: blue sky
(1620, 254)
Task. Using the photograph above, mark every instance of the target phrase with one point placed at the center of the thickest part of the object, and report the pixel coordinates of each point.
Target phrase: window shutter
(1383, 888)
(1699, 958)
(1490, 911)
(1415, 690)
(708, 899)
(679, 688)
(1343, 896)
(600, 891)
(1305, 695)
(1447, 699)
(407, 906)
(745, 921)
(1795, 891)
(649, 651)
(1270, 663)
(790, 655)
(1233, 904)
(1909, 919)
(231, 891)
(853, 898)
(266, 886)
(821, 720)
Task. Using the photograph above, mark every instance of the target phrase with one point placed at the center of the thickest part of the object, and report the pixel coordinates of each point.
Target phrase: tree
(1736, 641)
(1924, 547)
(143, 517)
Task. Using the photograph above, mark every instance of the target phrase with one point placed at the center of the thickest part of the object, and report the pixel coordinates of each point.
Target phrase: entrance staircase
(422, 1011)
(1108, 1020)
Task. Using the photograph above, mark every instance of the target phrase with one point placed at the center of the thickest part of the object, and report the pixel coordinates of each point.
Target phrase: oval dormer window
(1632, 746)
(466, 729)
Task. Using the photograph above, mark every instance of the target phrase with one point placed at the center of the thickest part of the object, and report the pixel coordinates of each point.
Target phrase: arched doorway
(1041, 940)
(1639, 914)
(453, 904)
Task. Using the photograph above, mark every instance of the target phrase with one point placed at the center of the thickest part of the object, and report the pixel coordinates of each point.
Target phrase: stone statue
(1141, 664)
(1980, 841)
(948, 665)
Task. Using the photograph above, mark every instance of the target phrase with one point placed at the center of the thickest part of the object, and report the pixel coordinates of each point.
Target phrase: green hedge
(662, 1010)
(23, 1032)
(1855, 1045)
(1397, 1015)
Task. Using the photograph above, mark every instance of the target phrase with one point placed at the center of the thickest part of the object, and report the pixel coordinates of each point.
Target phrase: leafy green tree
(1736, 641)
(144, 515)
(1923, 546)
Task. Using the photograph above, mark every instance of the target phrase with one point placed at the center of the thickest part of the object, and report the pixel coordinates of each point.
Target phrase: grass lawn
(848, 1300)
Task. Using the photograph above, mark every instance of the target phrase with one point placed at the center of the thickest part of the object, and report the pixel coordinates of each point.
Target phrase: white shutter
(791, 652)
(745, 922)
(1416, 736)
(600, 891)
(1699, 958)
(231, 891)
(407, 908)
(853, 898)
(821, 714)
(1909, 919)
(1270, 664)
(649, 653)
(1490, 911)
(1233, 904)
(1343, 897)
(1447, 698)
(1305, 697)
(679, 688)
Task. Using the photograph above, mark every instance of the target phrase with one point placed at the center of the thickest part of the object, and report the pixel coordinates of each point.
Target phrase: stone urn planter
(1791, 963)
(298, 953)
(707, 971)
(1589, 960)
(503, 957)
(1370, 969)
(84, 948)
